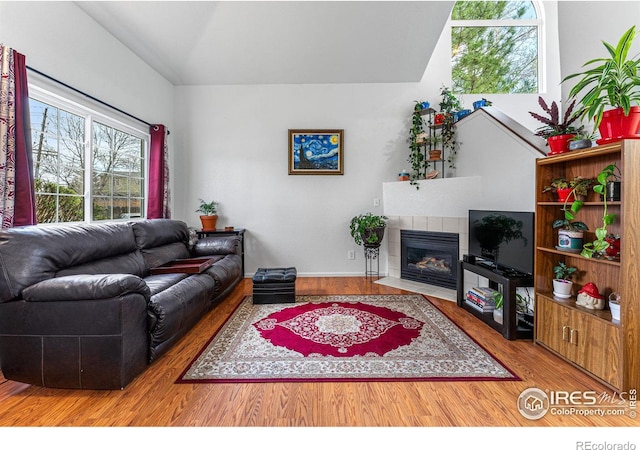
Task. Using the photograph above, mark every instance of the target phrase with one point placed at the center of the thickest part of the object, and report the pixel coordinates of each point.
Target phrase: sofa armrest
(217, 245)
(86, 287)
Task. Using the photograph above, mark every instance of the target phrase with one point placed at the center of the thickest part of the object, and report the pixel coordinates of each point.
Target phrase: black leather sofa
(80, 309)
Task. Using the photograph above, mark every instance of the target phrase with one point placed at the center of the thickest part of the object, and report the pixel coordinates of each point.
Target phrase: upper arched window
(495, 47)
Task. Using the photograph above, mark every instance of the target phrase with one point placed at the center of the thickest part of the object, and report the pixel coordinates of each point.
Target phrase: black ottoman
(274, 285)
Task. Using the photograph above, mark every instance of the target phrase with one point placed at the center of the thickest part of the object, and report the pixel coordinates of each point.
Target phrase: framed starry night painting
(316, 152)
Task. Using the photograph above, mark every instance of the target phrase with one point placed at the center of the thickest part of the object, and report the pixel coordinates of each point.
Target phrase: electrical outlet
(351, 254)
(376, 202)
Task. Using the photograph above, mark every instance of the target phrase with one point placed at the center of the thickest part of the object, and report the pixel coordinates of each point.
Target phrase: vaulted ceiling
(277, 42)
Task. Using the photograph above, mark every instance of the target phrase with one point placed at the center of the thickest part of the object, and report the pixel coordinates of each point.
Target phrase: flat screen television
(502, 240)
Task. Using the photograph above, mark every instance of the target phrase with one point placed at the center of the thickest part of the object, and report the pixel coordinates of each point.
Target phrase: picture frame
(316, 152)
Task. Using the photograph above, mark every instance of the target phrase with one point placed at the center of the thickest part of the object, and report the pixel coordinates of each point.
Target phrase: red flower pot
(559, 144)
(616, 126)
(563, 193)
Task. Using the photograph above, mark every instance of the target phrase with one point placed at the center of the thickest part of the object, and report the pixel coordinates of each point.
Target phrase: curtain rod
(89, 96)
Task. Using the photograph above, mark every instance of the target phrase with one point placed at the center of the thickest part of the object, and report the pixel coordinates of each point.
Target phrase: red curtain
(17, 196)
(25, 208)
(158, 199)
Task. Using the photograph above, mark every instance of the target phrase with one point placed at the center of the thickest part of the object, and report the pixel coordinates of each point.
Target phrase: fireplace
(429, 257)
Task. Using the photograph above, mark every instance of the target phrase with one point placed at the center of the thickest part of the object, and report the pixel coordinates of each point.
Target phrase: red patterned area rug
(343, 338)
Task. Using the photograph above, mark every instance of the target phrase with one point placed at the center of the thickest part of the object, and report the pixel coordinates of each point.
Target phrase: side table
(223, 232)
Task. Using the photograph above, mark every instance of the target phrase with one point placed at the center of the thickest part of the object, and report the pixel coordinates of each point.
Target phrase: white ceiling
(277, 42)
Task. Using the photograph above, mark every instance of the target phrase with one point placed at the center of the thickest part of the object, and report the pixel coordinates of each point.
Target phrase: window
(75, 181)
(495, 47)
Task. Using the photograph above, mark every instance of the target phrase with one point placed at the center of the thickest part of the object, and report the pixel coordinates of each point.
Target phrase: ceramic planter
(497, 315)
(559, 144)
(209, 222)
(570, 240)
(616, 126)
(562, 288)
(579, 144)
(435, 155)
(615, 311)
(613, 191)
(563, 194)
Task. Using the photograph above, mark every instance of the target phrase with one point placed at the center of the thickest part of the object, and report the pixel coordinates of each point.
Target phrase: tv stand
(501, 280)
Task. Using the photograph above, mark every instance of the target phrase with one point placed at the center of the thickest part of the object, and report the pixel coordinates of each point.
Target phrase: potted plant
(209, 216)
(571, 231)
(417, 140)
(560, 186)
(600, 244)
(614, 185)
(557, 132)
(368, 229)
(449, 104)
(497, 311)
(562, 283)
(582, 139)
(614, 306)
(611, 82)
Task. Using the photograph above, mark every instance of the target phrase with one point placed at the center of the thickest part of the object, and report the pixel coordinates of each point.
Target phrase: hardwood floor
(153, 399)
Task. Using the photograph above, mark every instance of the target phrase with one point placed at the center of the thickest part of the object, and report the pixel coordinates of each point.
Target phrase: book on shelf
(481, 308)
(483, 305)
(483, 292)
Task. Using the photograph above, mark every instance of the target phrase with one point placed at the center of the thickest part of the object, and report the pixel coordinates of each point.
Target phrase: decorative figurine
(589, 297)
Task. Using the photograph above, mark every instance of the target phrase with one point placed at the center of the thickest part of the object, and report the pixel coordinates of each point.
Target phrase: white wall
(59, 39)
(232, 148)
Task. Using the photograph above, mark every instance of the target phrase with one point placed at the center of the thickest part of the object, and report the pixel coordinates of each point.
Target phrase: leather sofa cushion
(173, 310)
(158, 232)
(221, 245)
(37, 253)
(85, 287)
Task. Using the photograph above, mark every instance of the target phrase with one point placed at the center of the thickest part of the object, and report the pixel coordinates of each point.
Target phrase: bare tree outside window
(60, 161)
(494, 47)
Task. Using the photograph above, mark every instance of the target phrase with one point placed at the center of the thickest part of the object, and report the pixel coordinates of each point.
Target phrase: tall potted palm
(613, 84)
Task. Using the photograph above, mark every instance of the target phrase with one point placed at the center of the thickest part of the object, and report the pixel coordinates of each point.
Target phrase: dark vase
(613, 191)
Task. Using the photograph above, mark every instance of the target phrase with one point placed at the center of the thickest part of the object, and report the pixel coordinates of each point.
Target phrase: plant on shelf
(562, 283)
(368, 229)
(600, 244)
(557, 129)
(569, 189)
(582, 139)
(449, 104)
(499, 303)
(611, 82)
(209, 217)
(416, 145)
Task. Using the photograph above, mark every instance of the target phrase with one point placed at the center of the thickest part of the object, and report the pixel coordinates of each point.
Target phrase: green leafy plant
(573, 204)
(599, 245)
(553, 126)
(612, 81)
(208, 208)
(564, 272)
(363, 227)
(498, 297)
(449, 103)
(416, 155)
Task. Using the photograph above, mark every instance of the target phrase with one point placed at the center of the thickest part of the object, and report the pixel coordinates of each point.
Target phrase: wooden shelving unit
(589, 339)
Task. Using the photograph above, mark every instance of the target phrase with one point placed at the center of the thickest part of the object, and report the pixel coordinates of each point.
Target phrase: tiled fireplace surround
(457, 225)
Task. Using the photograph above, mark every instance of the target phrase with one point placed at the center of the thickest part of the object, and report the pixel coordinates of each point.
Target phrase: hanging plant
(416, 145)
(449, 104)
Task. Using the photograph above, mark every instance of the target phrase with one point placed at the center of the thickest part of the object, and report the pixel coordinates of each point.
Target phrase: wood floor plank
(154, 399)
